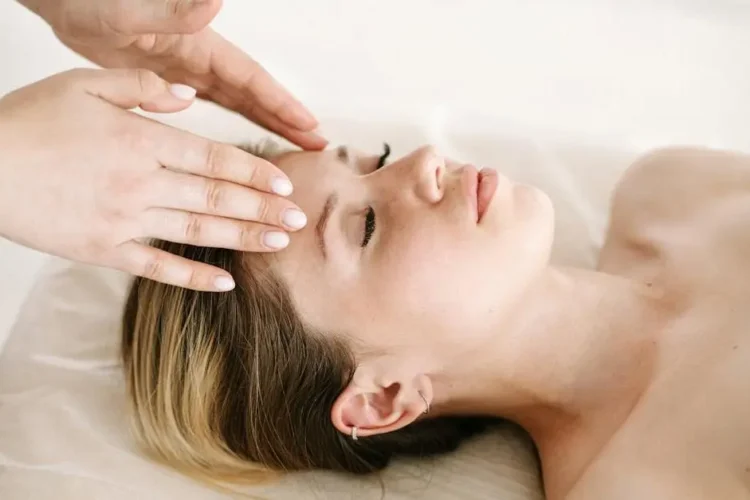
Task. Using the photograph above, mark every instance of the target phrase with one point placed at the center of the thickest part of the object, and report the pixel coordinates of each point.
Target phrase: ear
(376, 408)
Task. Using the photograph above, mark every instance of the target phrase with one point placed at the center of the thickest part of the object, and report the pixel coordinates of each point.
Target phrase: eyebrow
(320, 227)
(344, 155)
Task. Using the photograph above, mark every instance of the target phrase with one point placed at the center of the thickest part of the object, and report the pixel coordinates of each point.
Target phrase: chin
(537, 213)
(528, 198)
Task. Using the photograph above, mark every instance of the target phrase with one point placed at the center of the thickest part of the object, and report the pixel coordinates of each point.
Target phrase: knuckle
(215, 159)
(248, 236)
(264, 209)
(176, 8)
(194, 280)
(79, 73)
(180, 8)
(96, 248)
(134, 139)
(73, 80)
(154, 268)
(214, 195)
(147, 80)
(193, 228)
(113, 209)
(122, 192)
(254, 174)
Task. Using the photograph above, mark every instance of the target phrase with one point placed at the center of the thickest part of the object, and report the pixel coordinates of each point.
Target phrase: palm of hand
(220, 72)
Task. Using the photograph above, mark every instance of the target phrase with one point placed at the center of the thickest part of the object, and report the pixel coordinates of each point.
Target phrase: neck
(568, 366)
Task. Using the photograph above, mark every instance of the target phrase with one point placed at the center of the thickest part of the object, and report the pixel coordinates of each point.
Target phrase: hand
(85, 179)
(171, 38)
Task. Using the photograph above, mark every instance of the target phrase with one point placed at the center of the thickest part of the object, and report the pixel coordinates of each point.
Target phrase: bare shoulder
(673, 196)
(675, 183)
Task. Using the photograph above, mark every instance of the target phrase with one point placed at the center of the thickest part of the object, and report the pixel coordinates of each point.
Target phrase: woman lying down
(419, 304)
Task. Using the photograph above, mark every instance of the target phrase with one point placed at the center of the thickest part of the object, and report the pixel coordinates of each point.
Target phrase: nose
(424, 170)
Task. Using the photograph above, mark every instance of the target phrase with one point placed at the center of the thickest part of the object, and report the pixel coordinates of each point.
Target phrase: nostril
(439, 173)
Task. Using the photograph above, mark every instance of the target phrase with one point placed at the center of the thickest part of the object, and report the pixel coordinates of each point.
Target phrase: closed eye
(370, 214)
(369, 226)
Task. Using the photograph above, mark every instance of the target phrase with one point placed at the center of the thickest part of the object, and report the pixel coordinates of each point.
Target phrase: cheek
(449, 282)
(435, 282)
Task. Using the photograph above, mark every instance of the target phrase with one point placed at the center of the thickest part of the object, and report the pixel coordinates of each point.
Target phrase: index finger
(188, 153)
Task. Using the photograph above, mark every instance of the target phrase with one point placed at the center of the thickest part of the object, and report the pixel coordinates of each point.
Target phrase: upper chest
(689, 434)
(688, 235)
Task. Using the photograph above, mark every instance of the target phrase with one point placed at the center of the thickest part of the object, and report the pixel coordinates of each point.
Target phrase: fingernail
(224, 283)
(281, 186)
(275, 239)
(320, 136)
(184, 92)
(294, 218)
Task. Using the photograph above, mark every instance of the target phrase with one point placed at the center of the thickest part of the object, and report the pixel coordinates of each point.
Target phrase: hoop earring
(426, 404)
(354, 433)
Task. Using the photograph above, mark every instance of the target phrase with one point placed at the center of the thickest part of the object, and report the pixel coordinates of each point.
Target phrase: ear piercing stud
(426, 410)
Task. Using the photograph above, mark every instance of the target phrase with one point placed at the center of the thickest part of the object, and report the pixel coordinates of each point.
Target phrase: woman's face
(407, 258)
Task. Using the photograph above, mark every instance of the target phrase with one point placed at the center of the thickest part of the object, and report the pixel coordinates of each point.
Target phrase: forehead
(299, 163)
(315, 176)
(303, 163)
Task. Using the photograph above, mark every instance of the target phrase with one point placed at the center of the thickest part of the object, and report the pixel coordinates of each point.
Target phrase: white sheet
(561, 94)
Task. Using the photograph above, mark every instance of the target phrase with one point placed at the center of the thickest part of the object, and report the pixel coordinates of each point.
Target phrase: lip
(471, 188)
(480, 187)
(486, 188)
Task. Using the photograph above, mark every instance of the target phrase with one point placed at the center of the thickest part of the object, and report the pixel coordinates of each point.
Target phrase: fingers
(185, 152)
(209, 231)
(238, 71)
(143, 260)
(253, 111)
(179, 98)
(160, 16)
(210, 196)
(130, 88)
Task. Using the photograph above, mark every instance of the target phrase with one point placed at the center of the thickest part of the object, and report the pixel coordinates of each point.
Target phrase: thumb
(131, 88)
(169, 16)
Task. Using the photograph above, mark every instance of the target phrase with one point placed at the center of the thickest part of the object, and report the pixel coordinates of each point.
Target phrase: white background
(634, 74)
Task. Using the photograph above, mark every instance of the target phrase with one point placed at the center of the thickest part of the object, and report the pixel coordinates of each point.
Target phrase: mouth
(480, 188)
(471, 188)
(486, 187)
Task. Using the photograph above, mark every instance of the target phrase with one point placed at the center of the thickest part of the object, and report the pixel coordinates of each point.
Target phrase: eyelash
(384, 156)
(370, 215)
(369, 226)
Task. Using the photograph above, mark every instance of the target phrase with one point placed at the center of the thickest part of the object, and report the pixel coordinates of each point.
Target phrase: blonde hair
(234, 388)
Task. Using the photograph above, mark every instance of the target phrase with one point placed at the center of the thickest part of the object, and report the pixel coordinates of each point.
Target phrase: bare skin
(631, 378)
(681, 227)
